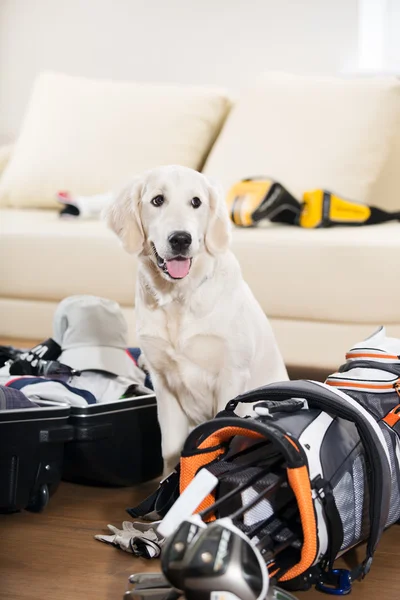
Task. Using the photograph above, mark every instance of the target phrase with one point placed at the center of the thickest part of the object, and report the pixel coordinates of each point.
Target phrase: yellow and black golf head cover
(252, 200)
(323, 209)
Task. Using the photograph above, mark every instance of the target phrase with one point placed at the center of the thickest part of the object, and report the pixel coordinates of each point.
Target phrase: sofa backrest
(309, 132)
(91, 136)
(306, 132)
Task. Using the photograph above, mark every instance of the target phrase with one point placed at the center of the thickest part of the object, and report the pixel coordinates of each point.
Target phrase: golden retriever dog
(204, 336)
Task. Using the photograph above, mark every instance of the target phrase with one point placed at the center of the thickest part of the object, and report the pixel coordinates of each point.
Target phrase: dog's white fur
(205, 338)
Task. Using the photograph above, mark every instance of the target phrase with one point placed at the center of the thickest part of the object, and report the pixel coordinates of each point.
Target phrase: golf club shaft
(234, 491)
(270, 451)
(273, 552)
(260, 496)
(290, 506)
(254, 463)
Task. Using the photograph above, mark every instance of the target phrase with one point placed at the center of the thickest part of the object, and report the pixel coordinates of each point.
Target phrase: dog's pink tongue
(178, 269)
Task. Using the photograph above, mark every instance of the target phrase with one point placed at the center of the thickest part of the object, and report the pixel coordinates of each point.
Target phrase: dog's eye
(196, 202)
(158, 200)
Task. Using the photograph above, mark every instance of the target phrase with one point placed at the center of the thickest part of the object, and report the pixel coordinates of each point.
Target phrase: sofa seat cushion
(345, 275)
(44, 257)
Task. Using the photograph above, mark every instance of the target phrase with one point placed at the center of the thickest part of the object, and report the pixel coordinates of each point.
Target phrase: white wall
(223, 42)
(379, 36)
(393, 34)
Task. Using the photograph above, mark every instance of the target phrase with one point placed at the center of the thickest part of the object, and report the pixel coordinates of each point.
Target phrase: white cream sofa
(322, 289)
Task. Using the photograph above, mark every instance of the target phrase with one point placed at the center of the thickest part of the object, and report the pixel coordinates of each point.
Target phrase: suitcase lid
(143, 398)
(45, 410)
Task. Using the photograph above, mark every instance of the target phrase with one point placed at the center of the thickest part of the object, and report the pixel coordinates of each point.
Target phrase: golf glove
(140, 539)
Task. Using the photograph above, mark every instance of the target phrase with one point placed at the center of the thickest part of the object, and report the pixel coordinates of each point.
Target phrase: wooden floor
(53, 555)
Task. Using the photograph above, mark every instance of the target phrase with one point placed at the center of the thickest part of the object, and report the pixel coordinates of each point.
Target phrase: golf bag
(312, 474)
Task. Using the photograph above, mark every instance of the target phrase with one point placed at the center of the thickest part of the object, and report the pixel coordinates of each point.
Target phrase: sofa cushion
(48, 258)
(345, 275)
(311, 132)
(90, 136)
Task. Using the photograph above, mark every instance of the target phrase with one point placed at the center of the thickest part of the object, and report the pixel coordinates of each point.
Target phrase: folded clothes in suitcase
(32, 438)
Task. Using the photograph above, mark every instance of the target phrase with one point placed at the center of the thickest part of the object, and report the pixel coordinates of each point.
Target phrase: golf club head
(279, 594)
(222, 561)
(153, 586)
(176, 547)
(149, 586)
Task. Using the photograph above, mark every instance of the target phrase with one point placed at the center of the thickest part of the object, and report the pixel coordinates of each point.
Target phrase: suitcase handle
(56, 434)
(88, 433)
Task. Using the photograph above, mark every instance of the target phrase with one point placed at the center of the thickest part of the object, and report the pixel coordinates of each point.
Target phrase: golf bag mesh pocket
(350, 498)
(359, 495)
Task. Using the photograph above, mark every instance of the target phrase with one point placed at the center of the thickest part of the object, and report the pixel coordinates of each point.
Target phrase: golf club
(175, 548)
(222, 558)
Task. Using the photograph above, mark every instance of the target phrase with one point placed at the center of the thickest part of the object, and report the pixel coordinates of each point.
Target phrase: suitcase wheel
(40, 500)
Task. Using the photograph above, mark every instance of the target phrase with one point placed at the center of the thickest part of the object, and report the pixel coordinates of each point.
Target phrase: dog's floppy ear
(218, 234)
(123, 217)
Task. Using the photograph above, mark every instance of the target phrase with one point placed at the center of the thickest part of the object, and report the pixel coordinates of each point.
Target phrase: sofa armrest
(5, 155)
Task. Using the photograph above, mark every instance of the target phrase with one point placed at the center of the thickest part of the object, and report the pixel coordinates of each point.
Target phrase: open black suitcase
(110, 444)
(31, 455)
(116, 443)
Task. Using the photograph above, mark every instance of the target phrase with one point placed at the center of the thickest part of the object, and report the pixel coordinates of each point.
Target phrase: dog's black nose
(180, 241)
